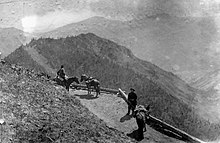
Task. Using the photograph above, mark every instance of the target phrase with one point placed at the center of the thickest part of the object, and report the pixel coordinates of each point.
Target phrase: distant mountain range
(10, 39)
(172, 100)
(177, 44)
(173, 43)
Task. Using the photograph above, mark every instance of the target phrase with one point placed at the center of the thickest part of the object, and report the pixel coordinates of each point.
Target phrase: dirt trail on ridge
(112, 109)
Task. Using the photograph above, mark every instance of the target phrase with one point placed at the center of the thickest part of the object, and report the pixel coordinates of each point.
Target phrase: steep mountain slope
(10, 39)
(208, 81)
(35, 110)
(115, 66)
(210, 85)
(98, 49)
(189, 76)
(173, 43)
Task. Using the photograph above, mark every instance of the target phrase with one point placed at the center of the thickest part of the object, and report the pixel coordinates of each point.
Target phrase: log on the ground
(184, 135)
(82, 86)
(78, 86)
(123, 95)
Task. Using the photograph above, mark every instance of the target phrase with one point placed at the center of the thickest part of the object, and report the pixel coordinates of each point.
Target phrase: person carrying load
(141, 114)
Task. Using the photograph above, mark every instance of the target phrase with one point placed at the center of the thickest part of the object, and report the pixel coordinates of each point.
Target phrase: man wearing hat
(61, 73)
(132, 99)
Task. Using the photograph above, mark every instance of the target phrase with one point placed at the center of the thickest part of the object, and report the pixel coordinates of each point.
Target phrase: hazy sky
(41, 15)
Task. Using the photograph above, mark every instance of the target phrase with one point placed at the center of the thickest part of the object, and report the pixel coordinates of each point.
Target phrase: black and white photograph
(109, 71)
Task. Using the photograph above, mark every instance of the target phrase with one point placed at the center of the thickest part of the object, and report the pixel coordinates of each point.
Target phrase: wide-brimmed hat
(132, 89)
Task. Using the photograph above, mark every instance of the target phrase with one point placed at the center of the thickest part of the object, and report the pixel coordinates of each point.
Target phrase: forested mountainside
(173, 43)
(115, 66)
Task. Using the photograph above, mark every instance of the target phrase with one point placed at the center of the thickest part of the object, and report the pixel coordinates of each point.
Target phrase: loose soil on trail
(112, 110)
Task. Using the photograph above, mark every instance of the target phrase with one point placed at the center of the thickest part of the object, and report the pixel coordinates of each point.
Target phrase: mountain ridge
(162, 39)
(125, 57)
(115, 66)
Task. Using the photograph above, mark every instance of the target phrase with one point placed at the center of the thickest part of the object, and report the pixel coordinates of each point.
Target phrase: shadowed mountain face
(10, 39)
(115, 66)
(173, 43)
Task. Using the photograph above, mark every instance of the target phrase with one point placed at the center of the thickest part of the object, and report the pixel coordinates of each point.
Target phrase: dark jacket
(132, 97)
(61, 73)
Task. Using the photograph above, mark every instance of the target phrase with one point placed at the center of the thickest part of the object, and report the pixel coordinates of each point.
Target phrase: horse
(90, 81)
(141, 114)
(68, 82)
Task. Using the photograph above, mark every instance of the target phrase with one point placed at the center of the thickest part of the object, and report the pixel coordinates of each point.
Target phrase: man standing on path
(132, 99)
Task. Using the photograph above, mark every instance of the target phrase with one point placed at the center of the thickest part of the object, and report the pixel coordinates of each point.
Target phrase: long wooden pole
(164, 125)
(185, 136)
(114, 91)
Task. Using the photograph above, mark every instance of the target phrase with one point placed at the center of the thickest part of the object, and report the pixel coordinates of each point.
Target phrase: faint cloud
(52, 20)
(29, 23)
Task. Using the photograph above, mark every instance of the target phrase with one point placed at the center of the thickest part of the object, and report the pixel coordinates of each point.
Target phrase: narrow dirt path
(112, 109)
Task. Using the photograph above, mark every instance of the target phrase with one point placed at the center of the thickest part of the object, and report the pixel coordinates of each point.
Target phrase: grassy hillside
(37, 111)
(115, 66)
